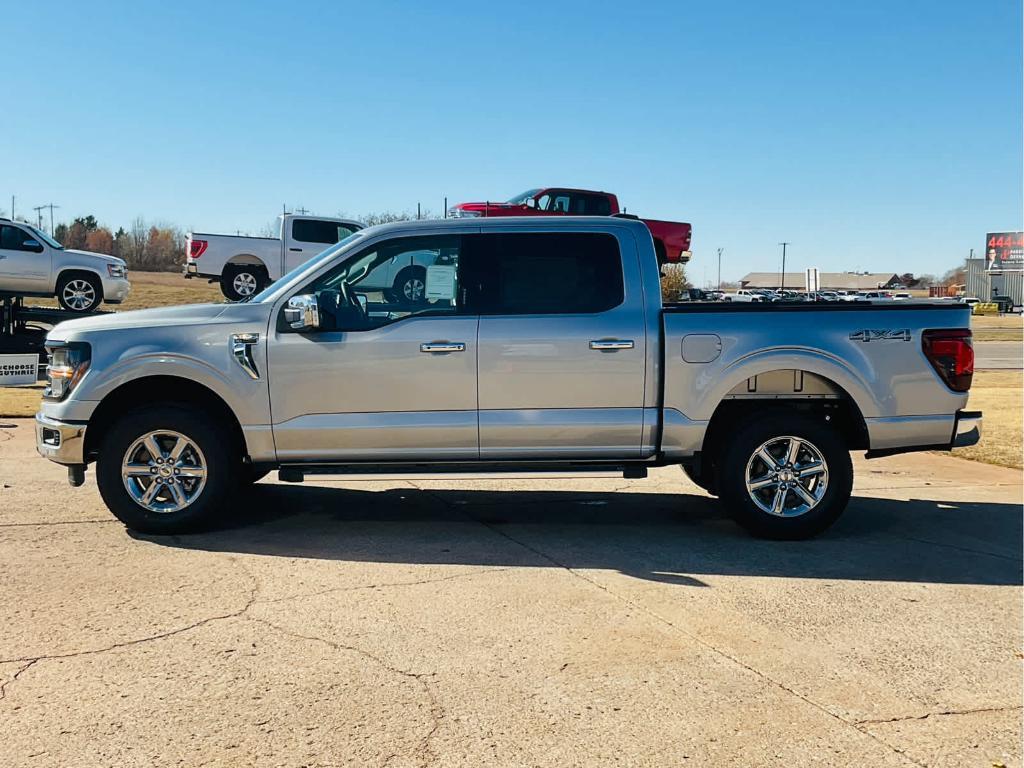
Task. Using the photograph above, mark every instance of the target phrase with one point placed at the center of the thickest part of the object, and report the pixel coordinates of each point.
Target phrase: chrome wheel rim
(787, 476)
(79, 294)
(413, 289)
(164, 471)
(244, 284)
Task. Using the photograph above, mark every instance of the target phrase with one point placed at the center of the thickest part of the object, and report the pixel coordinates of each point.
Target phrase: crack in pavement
(15, 676)
(140, 640)
(710, 646)
(384, 585)
(423, 750)
(958, 548)
(56, 522)
(926, 715)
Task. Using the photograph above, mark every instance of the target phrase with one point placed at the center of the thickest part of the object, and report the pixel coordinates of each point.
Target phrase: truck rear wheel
(785, 476)
(166, 469)
(240, 281)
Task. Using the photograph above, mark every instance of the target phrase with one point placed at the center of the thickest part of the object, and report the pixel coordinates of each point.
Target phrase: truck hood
(188, 314)
(100, 257)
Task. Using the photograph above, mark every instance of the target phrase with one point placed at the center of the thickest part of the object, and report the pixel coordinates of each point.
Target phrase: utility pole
(39, 214)
(720, 268)
(301, 210)
(782, 275)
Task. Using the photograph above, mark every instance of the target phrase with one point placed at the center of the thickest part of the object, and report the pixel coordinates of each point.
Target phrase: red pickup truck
(671, 238)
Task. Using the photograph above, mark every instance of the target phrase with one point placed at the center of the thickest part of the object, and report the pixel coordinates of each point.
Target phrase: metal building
(985, 284)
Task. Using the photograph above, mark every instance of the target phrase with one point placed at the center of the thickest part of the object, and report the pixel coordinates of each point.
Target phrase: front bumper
(59, 441)
(115, 289)
(967, 430)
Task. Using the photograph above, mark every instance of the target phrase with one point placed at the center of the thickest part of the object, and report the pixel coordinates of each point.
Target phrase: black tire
(219, 454)
(410, 286)
(79, 292)
(240, 281)
(732, 476)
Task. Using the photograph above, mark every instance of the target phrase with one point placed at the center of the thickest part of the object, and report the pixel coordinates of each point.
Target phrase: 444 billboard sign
(1004, 251)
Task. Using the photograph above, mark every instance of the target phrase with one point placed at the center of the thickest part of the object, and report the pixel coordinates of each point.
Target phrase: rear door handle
(605, 345)
(436, 347)
(295, 249)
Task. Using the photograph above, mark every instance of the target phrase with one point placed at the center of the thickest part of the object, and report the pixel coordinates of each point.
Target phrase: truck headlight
(458, 213)
(116, 270)
(67, 364)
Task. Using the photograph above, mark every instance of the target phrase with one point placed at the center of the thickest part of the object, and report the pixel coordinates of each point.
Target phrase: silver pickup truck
(541, 346)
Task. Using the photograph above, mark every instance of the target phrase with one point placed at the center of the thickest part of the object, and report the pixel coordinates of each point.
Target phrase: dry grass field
(998, 327)
(997, 393)
(158, 289)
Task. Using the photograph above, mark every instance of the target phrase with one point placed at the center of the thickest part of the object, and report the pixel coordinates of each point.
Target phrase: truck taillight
(951, 354)
(196, 248)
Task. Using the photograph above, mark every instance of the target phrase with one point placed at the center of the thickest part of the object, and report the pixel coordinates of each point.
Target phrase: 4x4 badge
(885, 334)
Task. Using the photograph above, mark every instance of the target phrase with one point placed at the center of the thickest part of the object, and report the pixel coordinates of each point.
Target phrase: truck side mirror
(32, 244)
(531, 202)
(302, 313)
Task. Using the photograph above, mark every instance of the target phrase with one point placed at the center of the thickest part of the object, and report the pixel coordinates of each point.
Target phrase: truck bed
(868, 355)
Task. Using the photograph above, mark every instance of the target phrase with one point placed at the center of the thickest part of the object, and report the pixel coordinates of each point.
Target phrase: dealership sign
(18, 370)
(1004, 251)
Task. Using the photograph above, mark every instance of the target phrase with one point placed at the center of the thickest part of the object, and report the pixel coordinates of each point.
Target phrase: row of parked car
(769, 296)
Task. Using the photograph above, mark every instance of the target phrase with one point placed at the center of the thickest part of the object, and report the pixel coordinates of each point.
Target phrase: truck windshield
(44, 237)
(330, 253)
(522, 198)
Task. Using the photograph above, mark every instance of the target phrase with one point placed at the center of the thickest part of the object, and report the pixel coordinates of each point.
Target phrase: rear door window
(590, 205)
(543, 273)
(314, 231)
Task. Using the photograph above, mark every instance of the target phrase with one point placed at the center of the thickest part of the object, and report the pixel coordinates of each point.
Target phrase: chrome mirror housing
(301, 312)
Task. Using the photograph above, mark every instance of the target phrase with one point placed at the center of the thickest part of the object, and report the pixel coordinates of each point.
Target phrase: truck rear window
(313, 231)
(544, 273)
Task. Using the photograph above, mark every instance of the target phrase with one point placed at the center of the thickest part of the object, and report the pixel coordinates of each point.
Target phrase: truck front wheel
(166, 469)
(240, 281)
(785, 476)
(79, 292)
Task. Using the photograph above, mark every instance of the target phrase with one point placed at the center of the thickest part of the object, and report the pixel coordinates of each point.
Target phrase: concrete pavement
(589, 623)
(1006, 355)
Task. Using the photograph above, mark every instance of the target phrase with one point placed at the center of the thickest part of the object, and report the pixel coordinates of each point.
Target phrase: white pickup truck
(745, 295)
(244, 266)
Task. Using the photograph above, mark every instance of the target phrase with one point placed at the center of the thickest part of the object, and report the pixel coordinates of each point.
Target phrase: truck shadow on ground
(665, 537)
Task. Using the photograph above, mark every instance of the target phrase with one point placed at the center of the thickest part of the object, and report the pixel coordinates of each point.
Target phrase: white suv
(34, 264)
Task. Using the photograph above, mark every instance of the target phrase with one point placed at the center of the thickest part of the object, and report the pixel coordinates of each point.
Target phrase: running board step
(297, 474)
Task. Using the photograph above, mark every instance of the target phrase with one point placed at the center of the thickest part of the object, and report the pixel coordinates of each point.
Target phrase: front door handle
(605, 345)
(437, 347)
(298, 250)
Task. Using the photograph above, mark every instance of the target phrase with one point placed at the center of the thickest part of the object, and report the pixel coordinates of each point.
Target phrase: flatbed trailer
(23, 328)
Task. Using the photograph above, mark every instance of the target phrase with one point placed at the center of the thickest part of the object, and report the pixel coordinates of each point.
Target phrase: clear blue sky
(873, 135)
